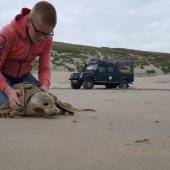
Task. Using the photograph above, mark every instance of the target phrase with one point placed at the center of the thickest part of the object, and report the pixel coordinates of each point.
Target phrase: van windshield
(91, 67)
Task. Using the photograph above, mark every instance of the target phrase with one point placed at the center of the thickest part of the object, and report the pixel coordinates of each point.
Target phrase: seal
(36, 103)
(41, 104)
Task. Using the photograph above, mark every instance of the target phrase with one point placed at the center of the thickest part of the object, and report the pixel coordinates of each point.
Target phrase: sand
(125, 129)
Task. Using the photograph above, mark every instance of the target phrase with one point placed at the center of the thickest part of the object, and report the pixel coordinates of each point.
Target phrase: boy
(28, 36)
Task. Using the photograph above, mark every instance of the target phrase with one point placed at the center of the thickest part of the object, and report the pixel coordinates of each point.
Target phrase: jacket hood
(20, 22)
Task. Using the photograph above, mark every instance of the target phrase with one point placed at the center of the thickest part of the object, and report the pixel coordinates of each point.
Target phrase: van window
(91, 67)
(102, 69)
(124, 69)
(110, 69)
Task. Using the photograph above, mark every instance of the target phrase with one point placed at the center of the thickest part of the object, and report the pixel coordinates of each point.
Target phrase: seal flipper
(16, 114)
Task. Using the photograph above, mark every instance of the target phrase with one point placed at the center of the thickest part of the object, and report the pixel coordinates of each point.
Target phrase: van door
(112, 74)
(101, 74)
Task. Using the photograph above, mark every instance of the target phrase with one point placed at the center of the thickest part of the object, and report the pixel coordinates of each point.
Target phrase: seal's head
(41, 104)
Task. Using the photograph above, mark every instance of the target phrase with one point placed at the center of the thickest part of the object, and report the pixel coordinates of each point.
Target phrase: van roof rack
(112, 61)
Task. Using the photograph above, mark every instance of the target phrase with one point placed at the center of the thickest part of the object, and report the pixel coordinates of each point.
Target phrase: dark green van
(111, 73)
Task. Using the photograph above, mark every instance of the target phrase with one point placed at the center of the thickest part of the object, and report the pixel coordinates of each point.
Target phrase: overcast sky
(133, 24)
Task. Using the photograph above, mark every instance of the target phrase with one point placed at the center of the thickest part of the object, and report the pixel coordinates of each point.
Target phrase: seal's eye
(45, 104)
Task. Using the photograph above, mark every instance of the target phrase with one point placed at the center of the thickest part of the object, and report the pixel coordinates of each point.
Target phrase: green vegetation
(72, 57)
(150, 71)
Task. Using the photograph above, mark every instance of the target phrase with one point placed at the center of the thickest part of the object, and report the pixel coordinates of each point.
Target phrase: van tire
(75, 85)
(88, 83)
(124, 84)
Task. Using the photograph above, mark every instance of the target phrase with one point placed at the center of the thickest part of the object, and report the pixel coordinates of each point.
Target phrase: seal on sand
(36, 103)
(41, 104)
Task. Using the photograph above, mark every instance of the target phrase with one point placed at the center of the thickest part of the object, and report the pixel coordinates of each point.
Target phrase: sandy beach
(126, 129)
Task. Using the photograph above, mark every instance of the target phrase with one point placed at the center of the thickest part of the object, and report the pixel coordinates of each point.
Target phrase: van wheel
(75, 85)
(124, 84)
(88, 83)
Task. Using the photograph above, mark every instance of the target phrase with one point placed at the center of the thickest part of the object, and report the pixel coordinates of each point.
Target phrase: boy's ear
(28, 21)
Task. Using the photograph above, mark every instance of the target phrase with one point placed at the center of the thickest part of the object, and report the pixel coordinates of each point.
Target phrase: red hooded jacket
(17, 52)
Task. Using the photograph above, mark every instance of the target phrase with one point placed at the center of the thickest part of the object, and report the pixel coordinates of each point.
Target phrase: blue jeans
(28, 78)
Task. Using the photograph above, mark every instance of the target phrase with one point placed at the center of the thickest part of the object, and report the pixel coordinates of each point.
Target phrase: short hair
(46, 11)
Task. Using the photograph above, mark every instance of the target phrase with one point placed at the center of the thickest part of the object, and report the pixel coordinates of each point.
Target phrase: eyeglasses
(40, 33)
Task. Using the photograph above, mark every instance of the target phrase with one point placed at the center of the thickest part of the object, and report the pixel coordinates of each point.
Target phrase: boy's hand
(44, 88)
(13, 97)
